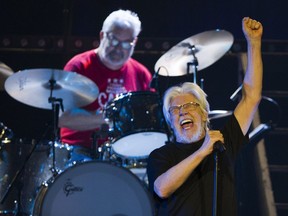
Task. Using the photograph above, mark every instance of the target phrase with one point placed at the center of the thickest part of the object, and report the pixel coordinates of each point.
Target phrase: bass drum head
(95, 188)
(138, 145)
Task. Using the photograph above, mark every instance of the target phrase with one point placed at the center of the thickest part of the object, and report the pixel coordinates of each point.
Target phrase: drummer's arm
(80, 119)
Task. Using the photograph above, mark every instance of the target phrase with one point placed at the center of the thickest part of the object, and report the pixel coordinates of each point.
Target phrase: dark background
(162, 21)
(160, 18)
(168, 21)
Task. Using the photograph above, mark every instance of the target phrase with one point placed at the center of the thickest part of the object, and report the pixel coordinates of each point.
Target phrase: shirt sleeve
(234, 139)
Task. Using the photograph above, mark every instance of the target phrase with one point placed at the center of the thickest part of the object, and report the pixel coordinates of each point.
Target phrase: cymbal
(216, 114)
(208, 47)
(5, 72)
(33, 87)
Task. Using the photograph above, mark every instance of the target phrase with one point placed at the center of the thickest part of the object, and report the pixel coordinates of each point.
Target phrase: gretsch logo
(70, 188)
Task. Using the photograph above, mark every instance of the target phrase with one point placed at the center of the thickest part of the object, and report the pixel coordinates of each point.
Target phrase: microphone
(218, 147)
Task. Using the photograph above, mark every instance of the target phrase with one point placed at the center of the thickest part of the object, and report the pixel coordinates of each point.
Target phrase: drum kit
(49, 186)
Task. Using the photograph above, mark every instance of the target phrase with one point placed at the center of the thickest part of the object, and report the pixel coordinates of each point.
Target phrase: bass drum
(94, 188)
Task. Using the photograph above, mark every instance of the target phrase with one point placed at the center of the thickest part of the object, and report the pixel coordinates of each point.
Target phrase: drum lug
(104, 151)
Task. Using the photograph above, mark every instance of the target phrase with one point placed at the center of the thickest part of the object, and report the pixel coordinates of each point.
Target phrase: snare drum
(138, 122)
(94, 188)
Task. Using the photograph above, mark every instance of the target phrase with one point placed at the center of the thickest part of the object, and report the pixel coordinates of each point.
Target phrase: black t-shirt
(195, 196)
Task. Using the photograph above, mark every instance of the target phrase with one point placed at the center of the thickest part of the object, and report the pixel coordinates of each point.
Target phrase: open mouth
(186, 123)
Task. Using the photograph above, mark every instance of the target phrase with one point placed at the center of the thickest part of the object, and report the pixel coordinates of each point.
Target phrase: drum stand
(193, 64)
(102, 153)
(56, 104)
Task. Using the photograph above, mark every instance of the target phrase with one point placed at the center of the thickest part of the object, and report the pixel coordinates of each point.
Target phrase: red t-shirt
(133, 76)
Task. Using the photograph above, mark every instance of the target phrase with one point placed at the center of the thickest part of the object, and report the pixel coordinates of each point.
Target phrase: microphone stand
(218, 148)
(215, 183)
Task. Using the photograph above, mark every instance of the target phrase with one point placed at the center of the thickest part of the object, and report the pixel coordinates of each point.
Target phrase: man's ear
(101, 35)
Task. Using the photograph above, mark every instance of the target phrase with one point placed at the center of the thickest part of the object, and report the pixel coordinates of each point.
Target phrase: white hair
(121, 17)
(185, 88)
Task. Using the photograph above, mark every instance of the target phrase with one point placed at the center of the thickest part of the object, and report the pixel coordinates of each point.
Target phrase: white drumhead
(96, 188)
(139, 145)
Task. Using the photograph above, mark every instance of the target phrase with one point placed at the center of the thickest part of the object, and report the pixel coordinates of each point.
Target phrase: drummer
(113, 70)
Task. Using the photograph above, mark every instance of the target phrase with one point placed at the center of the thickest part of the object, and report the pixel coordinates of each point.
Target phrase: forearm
(167, 183)
(252, 85)
(80, 119)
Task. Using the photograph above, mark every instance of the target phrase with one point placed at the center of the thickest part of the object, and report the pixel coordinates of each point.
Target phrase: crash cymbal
(216, 114)
(33, 87)
(208, 47)
(5, 72)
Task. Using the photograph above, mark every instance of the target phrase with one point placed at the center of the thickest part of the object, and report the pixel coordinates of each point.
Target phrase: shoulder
(80, 59)
(136, 64)
(167, 149)
(82, 56)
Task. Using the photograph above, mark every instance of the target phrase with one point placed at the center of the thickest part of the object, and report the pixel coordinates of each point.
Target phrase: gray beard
(185, 139)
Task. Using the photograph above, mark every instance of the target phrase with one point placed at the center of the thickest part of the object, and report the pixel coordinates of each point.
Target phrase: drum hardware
(55, 89)
(74, 192)
(75, 90)
(194, 54)
(6, 134)
(15, 179)
(138, 127)
(205, 48)
(155, 81)
(39, 169)
(22, 184)
(102, 152)
(216, 114)
(5, 72)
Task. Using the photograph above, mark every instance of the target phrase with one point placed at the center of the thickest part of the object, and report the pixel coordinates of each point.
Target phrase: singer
(181, 173)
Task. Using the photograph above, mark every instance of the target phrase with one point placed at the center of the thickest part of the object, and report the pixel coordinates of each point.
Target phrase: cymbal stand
(56, 104)
(193, 64)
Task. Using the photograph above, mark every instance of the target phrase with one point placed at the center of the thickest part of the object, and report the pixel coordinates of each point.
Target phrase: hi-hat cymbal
(33, 87)
(208, 47)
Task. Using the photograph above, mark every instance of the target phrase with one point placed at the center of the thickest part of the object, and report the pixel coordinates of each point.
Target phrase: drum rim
(132, 93)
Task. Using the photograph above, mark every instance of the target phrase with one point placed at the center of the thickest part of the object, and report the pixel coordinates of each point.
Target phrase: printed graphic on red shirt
(114, 88)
